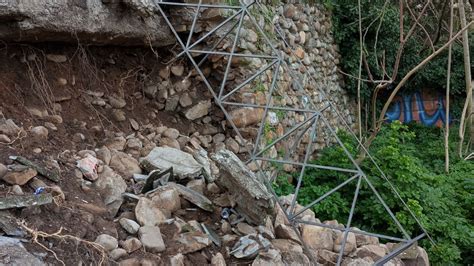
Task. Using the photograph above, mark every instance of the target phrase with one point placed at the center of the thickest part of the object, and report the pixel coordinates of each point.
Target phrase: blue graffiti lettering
(404, 105)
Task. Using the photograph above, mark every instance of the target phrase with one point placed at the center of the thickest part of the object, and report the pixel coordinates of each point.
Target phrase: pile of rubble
(177, 202)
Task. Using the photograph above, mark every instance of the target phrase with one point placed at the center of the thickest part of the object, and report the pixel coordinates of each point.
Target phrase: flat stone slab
(151, 238)
(254, 200)
(162, 158)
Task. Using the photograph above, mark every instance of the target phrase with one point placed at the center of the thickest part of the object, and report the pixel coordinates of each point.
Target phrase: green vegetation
(412, 158)
(381, 19)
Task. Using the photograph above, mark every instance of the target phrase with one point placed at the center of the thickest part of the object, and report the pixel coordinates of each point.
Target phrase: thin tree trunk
(448, 84)
(400, 85)
(466, 117)
(359, 104)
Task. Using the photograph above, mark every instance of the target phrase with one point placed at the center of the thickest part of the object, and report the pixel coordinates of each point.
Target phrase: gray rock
(246, 229)
(117, 102)
(295, 258)
(185, 100)
(131, 244)
(4, 139)
(162, 158)
(270, 257)
(8, 127)
(129, 225)
(373, 251)
(3, 170)
(14, 253)
(108, 242)
(218, 260)
(199, 110)
(363, 240)
(218, 138)
(92, 21)
(118, 253)
(248, 246)
(192, 241)
(350, 243)
(177, 260)
(148, 212)
(151, 91)
(286, 245)
(170, 143)
(358, 262)
(167, 198)
(20, 177)
(248, 191)
(112, 186)
(134, 144)
(207, 166)
(197, 185)
(286, 232)
(232, 145)
(421, 260)
(171, 133)
(125, 164)
(119, 115)
(39, 133)
(117, 143)
(16, 189)
(172, 102)
(177, 70)
(289, 11)
(151, 238)
(317, 237)
(194, 197)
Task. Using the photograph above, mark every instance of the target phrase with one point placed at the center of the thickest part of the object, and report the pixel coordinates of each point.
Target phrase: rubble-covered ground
(85, 136)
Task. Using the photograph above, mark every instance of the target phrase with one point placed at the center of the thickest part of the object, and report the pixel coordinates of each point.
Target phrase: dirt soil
(28, 79)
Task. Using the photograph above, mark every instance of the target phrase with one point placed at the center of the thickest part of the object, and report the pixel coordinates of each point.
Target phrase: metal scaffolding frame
(313, 116)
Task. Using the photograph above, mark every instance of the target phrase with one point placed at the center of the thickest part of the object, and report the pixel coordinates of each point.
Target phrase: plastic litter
(225, 213)
(39, 190)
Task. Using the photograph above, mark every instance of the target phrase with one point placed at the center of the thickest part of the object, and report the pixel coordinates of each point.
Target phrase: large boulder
(90, 22)
(254, 200)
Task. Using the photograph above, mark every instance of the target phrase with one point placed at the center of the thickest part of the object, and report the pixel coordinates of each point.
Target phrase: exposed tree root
(35, 234)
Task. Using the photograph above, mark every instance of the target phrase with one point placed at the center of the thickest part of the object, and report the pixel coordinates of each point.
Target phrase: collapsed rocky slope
(208, 212)
(99, 124)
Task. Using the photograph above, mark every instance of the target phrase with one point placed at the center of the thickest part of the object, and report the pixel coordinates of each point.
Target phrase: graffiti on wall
(424, 106)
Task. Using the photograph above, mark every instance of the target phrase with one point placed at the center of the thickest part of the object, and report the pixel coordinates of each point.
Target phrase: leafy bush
(412, 157)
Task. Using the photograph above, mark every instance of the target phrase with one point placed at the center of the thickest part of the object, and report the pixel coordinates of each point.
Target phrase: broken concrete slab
(162, 158)
(254, 200)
